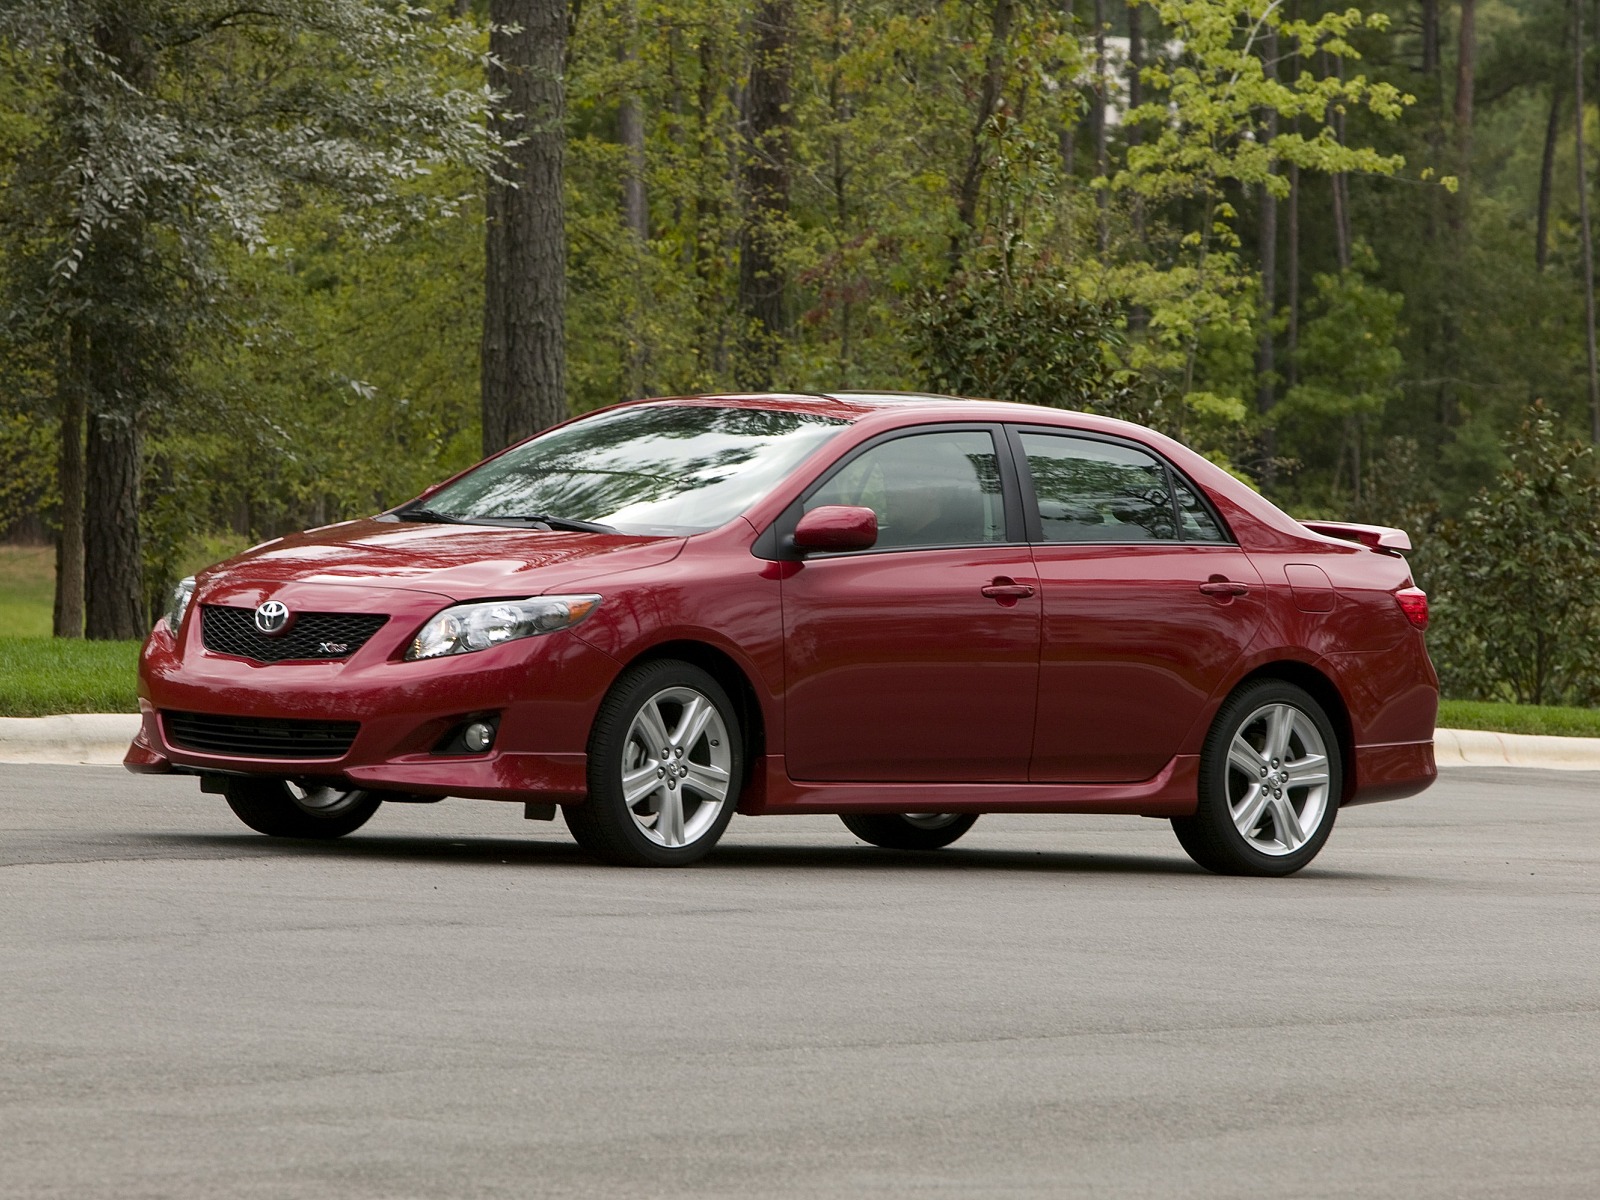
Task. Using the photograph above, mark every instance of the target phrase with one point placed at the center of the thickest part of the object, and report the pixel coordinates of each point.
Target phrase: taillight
(1414, 603)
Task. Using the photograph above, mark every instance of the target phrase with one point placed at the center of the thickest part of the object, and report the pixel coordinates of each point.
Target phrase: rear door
(917, 660)
(1148, 604)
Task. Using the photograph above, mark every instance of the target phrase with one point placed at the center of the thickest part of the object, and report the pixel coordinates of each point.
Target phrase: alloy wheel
(1277, 779)
(677, 767)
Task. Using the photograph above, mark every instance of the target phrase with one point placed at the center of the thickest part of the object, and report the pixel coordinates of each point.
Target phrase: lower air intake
(259, 737)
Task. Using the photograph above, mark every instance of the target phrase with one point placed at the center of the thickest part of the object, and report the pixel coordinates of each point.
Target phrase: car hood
(463, 562)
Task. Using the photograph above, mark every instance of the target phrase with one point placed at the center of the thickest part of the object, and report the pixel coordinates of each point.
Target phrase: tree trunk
(1135, 64)
(635, 203)
(708, 213)
(525, 284)
(1341, 238)
(117, 365)
(67, 618)
(1267, 248)
(1355, 458)
(768, 116)
(1135, 99)
(1583, 223)
(1292, 274)
(1430, 38)
(113, 549)
(1341, 206)
(988, 99)
(838, 112)
(630, 132)
(1547, 169)
(1102, 164)
(1466, 71)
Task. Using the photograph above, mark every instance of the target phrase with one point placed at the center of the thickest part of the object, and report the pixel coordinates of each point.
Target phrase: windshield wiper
(518, 521)
(568, 523)
(428, 514)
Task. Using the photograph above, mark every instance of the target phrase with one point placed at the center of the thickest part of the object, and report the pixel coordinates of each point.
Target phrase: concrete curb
(102, 738)
(78, 738)
(1479, 748)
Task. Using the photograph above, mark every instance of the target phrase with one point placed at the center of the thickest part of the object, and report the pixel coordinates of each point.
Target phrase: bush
(1032, 340)
(1518, 578)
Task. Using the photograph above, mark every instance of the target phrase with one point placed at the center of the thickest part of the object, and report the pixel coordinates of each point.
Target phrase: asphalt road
(455, 1002)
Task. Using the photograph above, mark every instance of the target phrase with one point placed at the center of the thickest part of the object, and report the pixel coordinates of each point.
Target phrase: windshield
(669, 469)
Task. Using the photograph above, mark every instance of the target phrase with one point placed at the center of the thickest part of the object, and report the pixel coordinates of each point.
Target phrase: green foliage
(1208, 122)
(353, 385)
(1348, 370)
(27, 465)
(1032, 341)
(1518, 589)
(1347, 360)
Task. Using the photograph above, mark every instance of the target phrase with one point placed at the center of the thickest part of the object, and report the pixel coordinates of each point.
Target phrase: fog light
(477, 737)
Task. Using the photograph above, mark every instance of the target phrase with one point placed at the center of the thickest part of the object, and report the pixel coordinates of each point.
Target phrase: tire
(909, 831)
(1270, 782)
(660, 809)
(282, 808)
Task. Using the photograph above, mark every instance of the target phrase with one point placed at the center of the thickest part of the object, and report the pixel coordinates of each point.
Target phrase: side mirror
(837, 527)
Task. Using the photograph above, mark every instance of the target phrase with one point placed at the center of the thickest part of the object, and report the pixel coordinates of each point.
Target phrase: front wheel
(665, 768)
(284, 808)
(908, 831)
(1269, 784)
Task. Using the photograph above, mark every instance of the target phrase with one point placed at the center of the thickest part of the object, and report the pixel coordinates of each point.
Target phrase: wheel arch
(1326, 693)
(722, 667)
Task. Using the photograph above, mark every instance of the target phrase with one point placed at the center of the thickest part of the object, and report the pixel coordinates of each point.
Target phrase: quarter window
(1198, 523)
(928, 489)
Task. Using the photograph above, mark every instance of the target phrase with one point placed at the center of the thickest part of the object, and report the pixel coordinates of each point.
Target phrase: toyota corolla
(903, 610)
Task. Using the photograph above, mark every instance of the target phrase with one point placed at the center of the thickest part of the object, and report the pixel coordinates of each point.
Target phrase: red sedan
(906, 610)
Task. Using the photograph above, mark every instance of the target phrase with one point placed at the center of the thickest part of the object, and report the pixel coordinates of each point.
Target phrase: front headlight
(181, 595)
(468, 627)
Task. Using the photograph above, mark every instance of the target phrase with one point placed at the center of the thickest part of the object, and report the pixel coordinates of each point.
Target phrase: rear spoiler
(1374, 537)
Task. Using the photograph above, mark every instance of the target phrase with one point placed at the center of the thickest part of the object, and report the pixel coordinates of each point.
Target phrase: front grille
(259, 737)
(324, 636)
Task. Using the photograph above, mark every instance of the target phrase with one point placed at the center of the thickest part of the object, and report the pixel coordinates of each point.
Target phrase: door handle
(1005, 588)
(1225, 587)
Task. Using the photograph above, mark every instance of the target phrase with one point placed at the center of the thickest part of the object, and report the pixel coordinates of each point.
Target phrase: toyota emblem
(272, 617)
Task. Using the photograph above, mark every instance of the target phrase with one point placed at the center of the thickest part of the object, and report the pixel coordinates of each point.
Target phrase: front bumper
(544, 691)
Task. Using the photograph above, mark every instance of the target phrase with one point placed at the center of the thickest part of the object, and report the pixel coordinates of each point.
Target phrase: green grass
(1519, 718)
(41, 675)
(27, 590)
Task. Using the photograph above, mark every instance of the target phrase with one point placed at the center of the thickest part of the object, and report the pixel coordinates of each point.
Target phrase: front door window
(930, 489)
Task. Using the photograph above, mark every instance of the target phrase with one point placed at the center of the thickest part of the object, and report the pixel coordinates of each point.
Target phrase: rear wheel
(909, 831)
(1269, 784)
(284, 808)
(665, 767)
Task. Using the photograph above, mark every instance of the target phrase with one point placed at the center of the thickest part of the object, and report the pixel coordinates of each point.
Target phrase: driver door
(916, 660)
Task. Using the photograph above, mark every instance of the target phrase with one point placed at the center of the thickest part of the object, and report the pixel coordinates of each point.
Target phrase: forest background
(273, 265)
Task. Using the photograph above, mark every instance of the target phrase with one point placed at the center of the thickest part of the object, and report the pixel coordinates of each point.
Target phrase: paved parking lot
(454, 1002)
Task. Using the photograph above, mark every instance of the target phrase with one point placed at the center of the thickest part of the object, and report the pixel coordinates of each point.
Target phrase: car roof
(855, 406)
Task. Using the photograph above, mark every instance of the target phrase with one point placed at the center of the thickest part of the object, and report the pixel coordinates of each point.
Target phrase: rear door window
(1089, 490)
